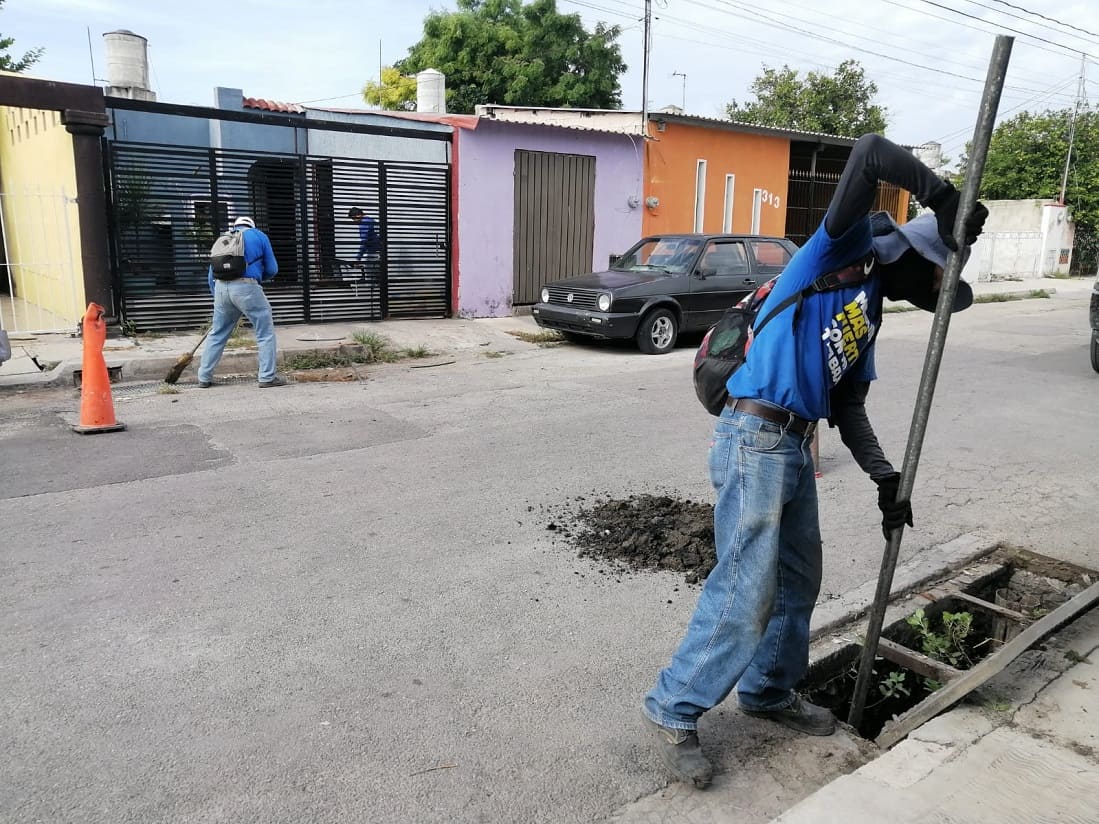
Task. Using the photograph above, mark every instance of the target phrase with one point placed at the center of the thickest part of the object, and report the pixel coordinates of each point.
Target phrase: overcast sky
(929, 59)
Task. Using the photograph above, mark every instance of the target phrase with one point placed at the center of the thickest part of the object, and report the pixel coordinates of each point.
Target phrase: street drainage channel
(937, 645)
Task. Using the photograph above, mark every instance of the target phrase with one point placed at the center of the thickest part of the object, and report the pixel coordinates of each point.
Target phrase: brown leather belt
(787, 419)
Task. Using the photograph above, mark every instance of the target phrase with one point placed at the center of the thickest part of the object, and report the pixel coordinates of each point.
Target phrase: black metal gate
(810, 193)
(168, 204)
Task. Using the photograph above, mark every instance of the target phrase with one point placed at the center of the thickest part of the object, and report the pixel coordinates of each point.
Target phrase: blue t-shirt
(834, 333)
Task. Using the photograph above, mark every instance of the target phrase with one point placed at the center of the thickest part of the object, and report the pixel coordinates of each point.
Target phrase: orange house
(713, 175)
(705, 179)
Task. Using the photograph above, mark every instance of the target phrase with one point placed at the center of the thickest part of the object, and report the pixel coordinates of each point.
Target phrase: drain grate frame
(975, 589)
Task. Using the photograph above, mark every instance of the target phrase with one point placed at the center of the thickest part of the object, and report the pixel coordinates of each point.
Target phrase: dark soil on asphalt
(642, 532)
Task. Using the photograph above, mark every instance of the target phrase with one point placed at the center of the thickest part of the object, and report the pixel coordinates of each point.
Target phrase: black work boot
(681, 754)
(801, 716)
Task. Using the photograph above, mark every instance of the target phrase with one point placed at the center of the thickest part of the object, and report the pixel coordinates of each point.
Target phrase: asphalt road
(340, 602)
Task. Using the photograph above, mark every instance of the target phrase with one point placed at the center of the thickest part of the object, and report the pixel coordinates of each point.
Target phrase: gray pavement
(151, 357)
(340, 602)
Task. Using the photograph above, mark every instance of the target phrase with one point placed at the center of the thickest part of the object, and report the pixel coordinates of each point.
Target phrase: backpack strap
(851, 275)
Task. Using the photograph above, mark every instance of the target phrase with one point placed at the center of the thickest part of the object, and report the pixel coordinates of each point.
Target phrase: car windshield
(670, 255)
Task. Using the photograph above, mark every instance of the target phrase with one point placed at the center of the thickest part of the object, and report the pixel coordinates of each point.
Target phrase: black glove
(945, 206)
(894, 513)
(975, 223)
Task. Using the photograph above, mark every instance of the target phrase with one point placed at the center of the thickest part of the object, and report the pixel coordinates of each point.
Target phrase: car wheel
(658, 331)
(1095, 351)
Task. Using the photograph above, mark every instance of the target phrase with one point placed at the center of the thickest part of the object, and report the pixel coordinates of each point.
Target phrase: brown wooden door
(554, 220)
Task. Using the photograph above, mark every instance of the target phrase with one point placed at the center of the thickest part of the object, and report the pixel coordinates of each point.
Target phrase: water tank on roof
(431, 91)
(931, 154)
(127, 65)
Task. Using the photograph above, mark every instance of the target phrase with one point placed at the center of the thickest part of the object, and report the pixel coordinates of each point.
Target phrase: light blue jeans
(751, 626)
(233, 298)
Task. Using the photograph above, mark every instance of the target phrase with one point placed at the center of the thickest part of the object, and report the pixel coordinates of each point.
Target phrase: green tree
(511, 53)
(396, 92)
(11, 64)
(1026, 159)
(841, 103)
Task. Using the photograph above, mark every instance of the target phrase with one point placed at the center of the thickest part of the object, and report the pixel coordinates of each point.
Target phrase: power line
(999, 25)
(954, 22)
(1044, 17)
(862, 49)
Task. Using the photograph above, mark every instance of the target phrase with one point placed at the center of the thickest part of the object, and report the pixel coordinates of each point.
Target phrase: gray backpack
(227, 256)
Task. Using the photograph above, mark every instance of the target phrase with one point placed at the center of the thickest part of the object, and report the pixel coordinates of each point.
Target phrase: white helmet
(245, 221)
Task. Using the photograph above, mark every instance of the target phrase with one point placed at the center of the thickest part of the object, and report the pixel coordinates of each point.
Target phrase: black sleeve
(848, 400)
(874, 159)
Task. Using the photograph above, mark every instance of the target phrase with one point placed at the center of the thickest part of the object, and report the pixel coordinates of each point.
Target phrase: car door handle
(749, 282)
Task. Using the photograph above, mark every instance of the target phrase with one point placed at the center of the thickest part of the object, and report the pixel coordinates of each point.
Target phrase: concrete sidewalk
(1027, 753)
(150, 358)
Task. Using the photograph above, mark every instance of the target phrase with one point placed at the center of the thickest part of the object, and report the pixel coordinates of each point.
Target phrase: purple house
(533, 203)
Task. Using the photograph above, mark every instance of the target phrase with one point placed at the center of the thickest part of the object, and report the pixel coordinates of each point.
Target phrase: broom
(185, 360)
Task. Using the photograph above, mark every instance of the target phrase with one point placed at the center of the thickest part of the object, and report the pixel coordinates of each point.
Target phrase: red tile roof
(272, 106)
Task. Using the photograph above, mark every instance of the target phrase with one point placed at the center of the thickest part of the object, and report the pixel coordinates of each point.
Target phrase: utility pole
(1072, 126)
(645, 69)
(684, 101)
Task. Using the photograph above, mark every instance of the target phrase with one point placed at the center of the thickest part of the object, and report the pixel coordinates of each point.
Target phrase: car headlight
(545, 295)
(604, 302)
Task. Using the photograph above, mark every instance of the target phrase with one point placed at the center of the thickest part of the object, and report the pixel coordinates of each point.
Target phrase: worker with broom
(813, 361)
(243, 295)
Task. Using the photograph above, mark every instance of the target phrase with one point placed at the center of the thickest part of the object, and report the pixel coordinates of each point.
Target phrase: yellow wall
(757, 161)
(41, 225)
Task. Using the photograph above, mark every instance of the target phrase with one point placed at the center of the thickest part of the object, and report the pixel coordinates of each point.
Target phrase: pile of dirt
(644, 532)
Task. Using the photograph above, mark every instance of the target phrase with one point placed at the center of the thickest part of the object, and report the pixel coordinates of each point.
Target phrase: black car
(664, 285)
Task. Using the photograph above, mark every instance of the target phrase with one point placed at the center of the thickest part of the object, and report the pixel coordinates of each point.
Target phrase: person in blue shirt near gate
(814, 360)
(244, 296)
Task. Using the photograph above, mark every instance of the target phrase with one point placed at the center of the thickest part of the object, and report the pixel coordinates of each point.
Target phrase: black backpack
(725, 346)
(227, 256)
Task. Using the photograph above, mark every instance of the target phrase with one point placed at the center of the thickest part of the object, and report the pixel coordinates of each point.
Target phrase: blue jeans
(233, 298)
(751, 626)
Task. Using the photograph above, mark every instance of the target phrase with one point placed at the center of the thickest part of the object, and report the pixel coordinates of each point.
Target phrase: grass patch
(300, 361)
(167, 389)
(1004, 297)
(494, 354)
(368, 348)
(900, 307)
(239, 339)
(542, 336)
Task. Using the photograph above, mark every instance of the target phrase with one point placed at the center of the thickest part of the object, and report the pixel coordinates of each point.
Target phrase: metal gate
(554, 219)
(810, 193)
(168, 204)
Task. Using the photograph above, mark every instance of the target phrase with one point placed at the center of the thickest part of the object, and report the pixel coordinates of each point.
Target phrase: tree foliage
(1026, 159)
(396, 92)
(13, 64)
(510, 53)
(841, 103)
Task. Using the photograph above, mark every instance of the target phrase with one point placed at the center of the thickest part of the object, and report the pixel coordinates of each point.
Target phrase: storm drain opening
(940, 644)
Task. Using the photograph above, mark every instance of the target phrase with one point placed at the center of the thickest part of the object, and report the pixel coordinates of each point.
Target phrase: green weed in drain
(893, 685)
(1075, 657)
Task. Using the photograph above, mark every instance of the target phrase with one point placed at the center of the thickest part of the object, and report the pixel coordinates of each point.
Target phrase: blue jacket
(369, 240)
(259, 256)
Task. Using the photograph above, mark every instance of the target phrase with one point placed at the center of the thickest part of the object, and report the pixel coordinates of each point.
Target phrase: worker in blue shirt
(243, 295)
(370, 242)
(814, 360)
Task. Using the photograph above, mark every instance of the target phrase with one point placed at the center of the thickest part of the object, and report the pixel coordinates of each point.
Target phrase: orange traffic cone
(96, 404)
